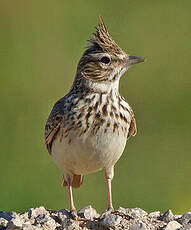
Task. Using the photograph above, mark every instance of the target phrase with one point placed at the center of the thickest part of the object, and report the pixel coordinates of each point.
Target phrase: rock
(15, 223)
(30, 227)
(47, 222)
(176, 217)
(122, 210)
(185, 220)
(70, 224)
(63, 214)
(111, 221)
(34, 212)
(25, 217)
(136, 212)
(154, 214)
(123, 218)
(187, 217)
(7, 215)
(132, 212)
(125, 223)
(167, 216)
(89, 213)
(3, 223)
(173, 225)
(138, 226)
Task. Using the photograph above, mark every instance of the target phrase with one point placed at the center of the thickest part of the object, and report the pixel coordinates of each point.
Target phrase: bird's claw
(74, 214)
(107, 212)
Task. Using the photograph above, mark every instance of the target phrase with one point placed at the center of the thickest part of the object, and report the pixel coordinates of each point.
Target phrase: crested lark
(87, 129)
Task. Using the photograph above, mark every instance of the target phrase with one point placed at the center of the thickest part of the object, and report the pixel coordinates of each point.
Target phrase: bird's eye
(105, 60)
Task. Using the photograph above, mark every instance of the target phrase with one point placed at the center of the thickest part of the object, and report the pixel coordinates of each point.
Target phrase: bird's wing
(54, 122)
(133, 126)
(51, 129)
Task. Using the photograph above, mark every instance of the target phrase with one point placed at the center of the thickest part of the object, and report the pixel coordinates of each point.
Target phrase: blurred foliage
(40, 45)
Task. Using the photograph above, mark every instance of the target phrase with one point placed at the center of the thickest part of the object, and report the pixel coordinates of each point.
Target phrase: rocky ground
(123, 218)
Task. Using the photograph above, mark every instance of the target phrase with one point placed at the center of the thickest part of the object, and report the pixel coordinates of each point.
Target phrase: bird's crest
(102, 41)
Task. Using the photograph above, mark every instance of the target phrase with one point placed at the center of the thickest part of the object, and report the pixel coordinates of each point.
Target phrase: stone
(70, 224)
(173, 225)
(111, 221)
(3, 223)
(88, 213)
(122, 210)
(31, 227)
(46, 221)
(7, 215)
(132, 212)
(138, 226)
(176, 217)
(136, 212)
(155, 214)
(34, 212)
(124, 223)
(25, 217)
(15, 223)
(50, 223)
(185, 220)
(63, 214)
(167, 216)
(187, 216)
(129, 218)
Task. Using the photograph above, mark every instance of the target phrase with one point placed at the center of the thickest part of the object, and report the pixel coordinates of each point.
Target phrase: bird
(88, 128)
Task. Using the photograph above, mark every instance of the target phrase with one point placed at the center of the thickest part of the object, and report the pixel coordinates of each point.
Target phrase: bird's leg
(110, 205)
(73, 210)
(72, 207)
(109, 173)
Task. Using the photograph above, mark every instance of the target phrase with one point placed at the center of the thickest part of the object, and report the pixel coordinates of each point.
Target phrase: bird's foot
(73, 213)
(107, 212)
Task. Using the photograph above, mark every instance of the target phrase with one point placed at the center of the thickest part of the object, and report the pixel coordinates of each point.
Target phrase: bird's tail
(77, 181)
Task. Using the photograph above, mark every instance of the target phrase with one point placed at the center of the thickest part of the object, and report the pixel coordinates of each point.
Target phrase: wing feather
(133, 126)
(50, 134)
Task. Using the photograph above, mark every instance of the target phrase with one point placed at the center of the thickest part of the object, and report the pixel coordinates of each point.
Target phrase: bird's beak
(134, 60)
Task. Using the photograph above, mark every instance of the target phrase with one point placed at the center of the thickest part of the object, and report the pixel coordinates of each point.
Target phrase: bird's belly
(88, 153)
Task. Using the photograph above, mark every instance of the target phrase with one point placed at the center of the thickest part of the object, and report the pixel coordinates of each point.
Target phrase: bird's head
(104, 61)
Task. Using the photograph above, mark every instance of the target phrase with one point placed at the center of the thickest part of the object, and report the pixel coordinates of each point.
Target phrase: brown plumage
(88, 128)
(102, 39)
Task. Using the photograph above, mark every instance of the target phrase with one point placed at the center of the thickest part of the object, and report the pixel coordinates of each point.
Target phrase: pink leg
(67, 181)
(110, 206)
(72, 207)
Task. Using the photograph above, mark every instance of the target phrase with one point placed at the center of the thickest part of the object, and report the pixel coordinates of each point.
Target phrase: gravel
(88, 218)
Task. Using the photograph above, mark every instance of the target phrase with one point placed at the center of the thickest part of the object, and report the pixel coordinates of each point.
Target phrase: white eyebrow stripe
(121, 56)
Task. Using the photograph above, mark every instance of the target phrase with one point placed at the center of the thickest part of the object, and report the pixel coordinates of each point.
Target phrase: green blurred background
(40, 45)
